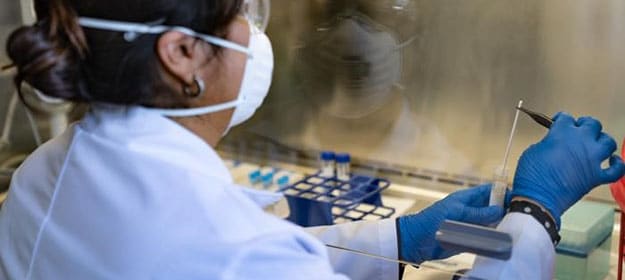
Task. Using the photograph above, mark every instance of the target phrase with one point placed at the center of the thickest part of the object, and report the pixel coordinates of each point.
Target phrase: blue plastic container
(316, 200)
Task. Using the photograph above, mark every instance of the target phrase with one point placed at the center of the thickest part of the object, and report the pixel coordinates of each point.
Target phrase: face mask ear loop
(192, 112)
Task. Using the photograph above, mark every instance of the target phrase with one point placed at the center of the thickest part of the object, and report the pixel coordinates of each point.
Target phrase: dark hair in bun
(49, 54)
(63, 60)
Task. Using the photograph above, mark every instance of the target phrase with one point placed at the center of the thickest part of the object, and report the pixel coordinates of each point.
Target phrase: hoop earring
(196, 90)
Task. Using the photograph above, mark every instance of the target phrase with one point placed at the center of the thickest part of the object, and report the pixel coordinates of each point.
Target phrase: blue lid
(327, 155)
(267, 177)
(343, 158)
(254, 176)
(284, 180)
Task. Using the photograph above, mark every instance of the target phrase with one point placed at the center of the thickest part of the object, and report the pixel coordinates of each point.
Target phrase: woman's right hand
(566, 165)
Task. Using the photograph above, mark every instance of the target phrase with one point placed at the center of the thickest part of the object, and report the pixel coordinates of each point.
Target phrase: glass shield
(424, 91)
(421, 93)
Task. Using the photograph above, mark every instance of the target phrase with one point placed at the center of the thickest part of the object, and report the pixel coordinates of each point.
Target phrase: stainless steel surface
(468, 63)
(12, 15)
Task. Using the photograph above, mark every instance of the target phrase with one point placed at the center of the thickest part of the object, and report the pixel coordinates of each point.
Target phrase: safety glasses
(133, 30)
(257, 14)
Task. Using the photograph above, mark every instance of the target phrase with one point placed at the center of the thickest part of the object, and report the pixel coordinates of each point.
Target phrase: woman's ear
(178, 55)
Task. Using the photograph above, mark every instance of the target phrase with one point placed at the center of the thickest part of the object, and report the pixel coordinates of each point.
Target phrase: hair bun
(42, 63)
(49, 54)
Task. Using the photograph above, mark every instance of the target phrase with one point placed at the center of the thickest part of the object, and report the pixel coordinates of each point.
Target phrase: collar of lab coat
(144, 130)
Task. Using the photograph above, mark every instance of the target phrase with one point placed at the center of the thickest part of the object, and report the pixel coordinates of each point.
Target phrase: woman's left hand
(417, 232)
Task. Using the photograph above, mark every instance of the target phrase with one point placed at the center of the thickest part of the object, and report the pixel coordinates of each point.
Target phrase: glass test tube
(500, 186)
(327, 164)
(500, 180)
(343, 167)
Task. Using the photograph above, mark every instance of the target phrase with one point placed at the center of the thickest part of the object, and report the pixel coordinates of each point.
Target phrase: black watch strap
(529, 208)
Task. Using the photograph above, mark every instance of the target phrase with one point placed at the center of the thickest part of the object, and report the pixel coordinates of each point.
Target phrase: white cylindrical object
(327, 164)
(343, 162)
(498, 194)
(500, 186)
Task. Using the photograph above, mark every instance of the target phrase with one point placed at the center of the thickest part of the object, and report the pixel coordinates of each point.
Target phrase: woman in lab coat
(136, 190)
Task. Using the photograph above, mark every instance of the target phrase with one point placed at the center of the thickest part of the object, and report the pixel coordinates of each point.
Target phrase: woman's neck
(202, 127)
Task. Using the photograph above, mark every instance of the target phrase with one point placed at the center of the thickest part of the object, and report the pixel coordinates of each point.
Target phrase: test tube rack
(317, 200)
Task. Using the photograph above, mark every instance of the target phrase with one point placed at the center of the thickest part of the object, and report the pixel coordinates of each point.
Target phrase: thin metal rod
(516, 119)
(538, 117)
(399, 261)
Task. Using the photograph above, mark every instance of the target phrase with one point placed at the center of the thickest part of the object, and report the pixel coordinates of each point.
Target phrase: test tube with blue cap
(343, 167)
(267, 177)
(255, 176)
(283, 179)
(327, 164)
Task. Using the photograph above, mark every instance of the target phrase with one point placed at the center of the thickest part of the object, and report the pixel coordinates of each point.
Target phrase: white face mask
(256, 78)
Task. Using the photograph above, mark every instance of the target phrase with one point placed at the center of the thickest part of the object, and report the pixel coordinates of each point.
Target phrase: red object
(620, 249)
(618, 192)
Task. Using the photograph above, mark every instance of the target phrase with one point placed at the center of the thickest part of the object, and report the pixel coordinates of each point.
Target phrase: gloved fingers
(482, 215)
(475, 195)
(614, 172)
(607, 146)
(592, 125)
(563, 119)
(481, 197)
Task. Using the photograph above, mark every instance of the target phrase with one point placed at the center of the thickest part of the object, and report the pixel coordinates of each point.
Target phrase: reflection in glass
(432, 84)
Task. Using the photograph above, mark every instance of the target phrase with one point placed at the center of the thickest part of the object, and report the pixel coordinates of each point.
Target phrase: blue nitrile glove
(566, 165)
(417, 232)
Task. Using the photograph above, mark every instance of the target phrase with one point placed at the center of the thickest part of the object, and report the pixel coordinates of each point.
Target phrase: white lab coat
(128, 194)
